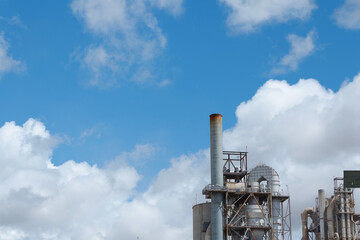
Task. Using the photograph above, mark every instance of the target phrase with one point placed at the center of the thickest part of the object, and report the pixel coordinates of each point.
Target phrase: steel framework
(242, 204)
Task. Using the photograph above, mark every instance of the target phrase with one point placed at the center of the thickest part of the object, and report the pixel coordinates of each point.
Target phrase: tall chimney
(321, 199)
(216, 155)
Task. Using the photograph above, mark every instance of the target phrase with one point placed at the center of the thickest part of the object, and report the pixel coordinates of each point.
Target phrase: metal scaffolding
(244, 205)
(251, 210)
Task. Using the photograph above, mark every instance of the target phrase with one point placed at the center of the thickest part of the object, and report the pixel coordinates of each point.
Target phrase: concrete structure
(201, 220)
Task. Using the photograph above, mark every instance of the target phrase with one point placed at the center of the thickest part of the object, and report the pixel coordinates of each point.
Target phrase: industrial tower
(332, 218)
(244, 205)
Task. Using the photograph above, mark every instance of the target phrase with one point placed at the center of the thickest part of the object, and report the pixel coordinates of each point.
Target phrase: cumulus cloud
(247, 15)
(129, 34)
(301, 47)
(348, 15)
(306, 132)
(7, 63)
(80, 201)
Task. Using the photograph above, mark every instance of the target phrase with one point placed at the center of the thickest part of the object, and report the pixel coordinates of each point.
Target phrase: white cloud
(173, 6)
(140, 152)
(301, 47)
(77, 201)
(7, 63)
(87, 133)
(67, 201)
(348, 15)
(129, 33)
(94, 131)
(306, 132)
(247, 15)
(164, 83)
(14, 20)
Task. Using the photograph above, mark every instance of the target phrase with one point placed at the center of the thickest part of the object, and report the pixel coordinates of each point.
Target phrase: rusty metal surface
(215, 116)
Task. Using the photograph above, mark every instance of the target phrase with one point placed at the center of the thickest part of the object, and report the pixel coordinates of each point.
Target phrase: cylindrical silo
(201, 220)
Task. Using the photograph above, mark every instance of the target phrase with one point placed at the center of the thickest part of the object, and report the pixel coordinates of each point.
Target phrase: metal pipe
(304, 220)
(321, 213)
(277, 226)
(330, 218)
(216, 155)
(348, 224)
(342, 210)
(353, 223)
(337, 228)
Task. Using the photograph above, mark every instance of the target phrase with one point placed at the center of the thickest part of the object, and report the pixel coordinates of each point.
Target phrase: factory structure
(250, 205)
(332, 218)
(244, 204)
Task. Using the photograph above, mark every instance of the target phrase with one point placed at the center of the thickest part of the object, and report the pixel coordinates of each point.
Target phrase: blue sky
(210, 69)
(107, 78)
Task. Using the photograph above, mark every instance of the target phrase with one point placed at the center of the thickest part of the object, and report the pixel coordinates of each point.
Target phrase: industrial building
(244, 204)
(332, 218)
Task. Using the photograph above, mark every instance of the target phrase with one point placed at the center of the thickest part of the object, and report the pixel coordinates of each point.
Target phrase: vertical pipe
(321, 213)
(330, 218)
(347, 207)
(276, 205)
(216, 156)
(336, 211)
(355, 230)
(342, 210)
